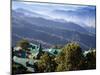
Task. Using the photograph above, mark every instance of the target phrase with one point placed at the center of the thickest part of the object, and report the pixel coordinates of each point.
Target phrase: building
(30, 56)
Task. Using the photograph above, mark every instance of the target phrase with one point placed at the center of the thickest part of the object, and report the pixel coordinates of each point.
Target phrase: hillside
(48, 32)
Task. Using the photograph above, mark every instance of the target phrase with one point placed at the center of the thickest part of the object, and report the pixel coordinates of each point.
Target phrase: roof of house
(34, 50)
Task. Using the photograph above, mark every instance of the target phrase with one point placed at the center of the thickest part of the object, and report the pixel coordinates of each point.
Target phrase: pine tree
(70, 58)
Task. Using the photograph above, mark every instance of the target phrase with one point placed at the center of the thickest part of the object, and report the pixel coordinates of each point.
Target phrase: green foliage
(43, 61)
(61, 67)
(23, 43)
(45, 57)
(70, 57)
(40, 48)
(46, 63)
(91, 59)
(18, 68)
(73, 55)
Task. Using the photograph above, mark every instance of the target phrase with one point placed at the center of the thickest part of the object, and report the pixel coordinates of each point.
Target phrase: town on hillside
(31, 58)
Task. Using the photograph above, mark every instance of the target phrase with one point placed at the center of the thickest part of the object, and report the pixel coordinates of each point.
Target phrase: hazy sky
(81, 14)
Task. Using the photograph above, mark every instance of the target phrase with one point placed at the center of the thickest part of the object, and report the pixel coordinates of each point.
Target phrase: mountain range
(39, 28)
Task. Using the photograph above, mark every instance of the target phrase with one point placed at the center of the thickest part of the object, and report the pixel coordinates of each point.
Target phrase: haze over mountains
(53, 24)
